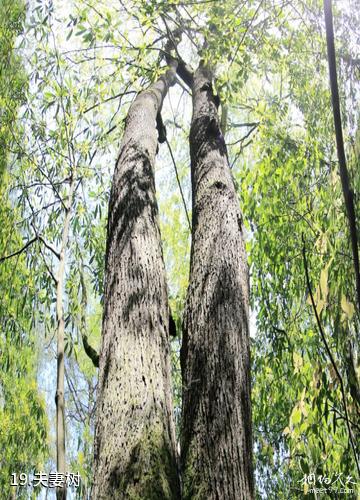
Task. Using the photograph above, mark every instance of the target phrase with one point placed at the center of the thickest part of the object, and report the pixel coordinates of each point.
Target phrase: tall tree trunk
(216, 430)
(348, 192)
(135, 453)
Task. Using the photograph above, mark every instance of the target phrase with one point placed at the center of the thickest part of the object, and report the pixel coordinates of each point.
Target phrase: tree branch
(242, 139)
(121, 94)
(48, 268)
(90, 351)
(37, 237)
(18, 252)
(48, 246)
(182, 69)
(185, 73)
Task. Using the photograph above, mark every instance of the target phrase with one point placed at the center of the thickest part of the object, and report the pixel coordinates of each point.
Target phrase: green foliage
(290, 192)
(23, 432)
(86, 63)
(12, 78)
(23, 420)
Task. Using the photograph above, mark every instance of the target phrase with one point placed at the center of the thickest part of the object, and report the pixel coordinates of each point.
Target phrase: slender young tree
(216, 450)
(135, 455)
(60, 388)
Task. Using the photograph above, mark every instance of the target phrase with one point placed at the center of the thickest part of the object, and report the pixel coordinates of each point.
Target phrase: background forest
(68, 73)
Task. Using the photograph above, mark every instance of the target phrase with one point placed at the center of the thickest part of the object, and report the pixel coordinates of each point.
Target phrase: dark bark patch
(220, 185)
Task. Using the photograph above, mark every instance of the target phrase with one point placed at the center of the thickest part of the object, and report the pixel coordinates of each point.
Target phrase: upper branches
(171, 53)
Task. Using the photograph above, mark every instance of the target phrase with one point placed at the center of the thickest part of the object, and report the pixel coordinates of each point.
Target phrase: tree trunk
(348, 193)
(135, 453)
(216, 453)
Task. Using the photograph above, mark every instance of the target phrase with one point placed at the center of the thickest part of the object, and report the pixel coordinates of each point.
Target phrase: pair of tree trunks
(135, 449)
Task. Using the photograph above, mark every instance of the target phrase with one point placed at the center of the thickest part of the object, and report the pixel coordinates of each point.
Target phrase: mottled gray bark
(216, 428)
(135, 440)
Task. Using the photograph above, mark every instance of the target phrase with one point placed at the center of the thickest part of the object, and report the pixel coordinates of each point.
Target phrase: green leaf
(324, 283)
(347, 307)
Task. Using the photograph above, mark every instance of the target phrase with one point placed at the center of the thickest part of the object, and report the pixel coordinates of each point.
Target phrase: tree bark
(216, 455)
(135, 453)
